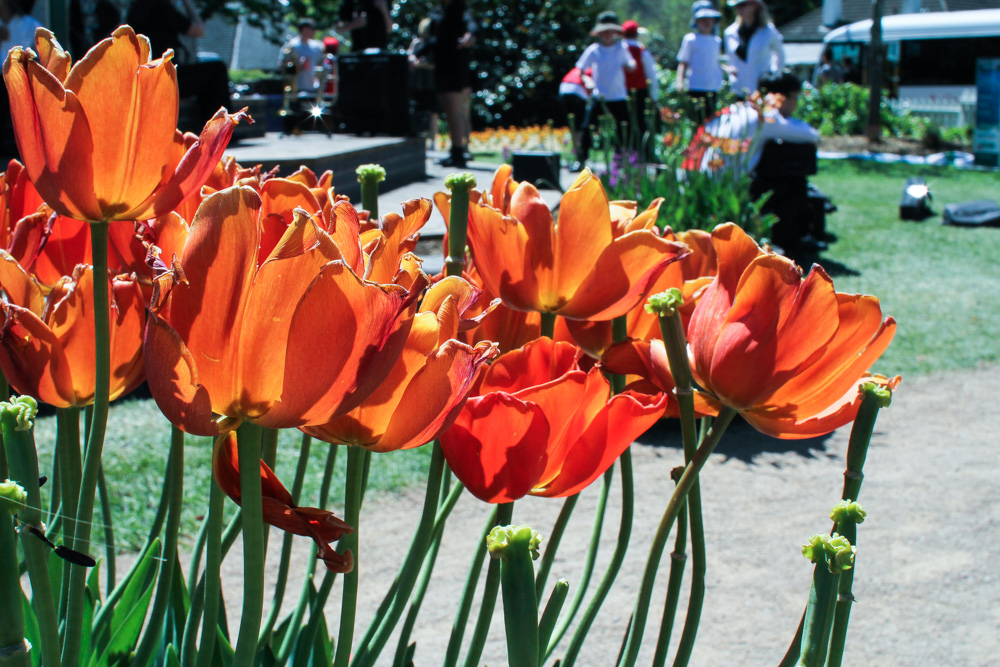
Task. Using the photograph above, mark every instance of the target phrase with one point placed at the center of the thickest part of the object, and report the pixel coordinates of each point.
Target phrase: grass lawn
(940, 283)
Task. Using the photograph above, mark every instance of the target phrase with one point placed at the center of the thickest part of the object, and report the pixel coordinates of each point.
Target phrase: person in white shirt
(17, 27)
(698, 69)
(754, 46)
(306, 53)
(608, 59)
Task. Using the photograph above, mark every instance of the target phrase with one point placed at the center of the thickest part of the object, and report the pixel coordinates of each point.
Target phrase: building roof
(809, 27)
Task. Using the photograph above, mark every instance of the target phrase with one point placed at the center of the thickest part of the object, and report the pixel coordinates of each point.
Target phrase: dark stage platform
(403, 158)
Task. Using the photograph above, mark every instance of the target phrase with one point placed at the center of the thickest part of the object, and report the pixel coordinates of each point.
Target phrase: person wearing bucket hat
(698, 69)
(608, 58)
(754, 46)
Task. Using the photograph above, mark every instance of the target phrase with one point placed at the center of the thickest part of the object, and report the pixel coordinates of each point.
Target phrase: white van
(931, 56)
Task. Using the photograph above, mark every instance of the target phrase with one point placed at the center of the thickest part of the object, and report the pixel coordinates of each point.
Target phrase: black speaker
(374, 93)
(540, 168)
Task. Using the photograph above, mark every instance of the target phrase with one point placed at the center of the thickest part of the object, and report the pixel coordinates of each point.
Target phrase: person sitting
(784, 157)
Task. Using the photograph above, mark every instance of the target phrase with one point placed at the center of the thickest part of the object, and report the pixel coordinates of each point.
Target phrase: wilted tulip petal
(279, 507)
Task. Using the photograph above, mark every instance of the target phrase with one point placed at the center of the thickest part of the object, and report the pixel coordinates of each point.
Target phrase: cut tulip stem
(675, 343)
(356, 457)
(14, 650)
(458, 221)
(22, 458)
(674, 507)
(76, 611)
(253, 547)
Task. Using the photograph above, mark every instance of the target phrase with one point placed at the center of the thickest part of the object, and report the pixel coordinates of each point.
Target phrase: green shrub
(842, 109)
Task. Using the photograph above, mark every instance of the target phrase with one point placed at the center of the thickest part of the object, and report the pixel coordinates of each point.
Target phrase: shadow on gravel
(741, 441)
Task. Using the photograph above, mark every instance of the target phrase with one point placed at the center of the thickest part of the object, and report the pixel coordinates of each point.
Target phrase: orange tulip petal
(626, 417)
(537, 363)
(19, 288)
(131, 105)
(219, 261)
(583, 233)
(282, 196)
(620, 277)
(67, 245)
(173, 380)
(53, 137)
(33, 360)
(345, 337)
(193, 170)
(346, 232)
(127, 326)
(496, 447)
(434, 396)
(507, 259)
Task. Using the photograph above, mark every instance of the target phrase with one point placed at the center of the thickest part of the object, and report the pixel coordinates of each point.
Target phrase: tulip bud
(665, 304)
(503, 539)
(846, 510)
(12, 497)
(20, 409)
(837, 549)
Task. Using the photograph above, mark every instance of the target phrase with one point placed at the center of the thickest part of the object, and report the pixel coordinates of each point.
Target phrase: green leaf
(172, 660)
(129, 614)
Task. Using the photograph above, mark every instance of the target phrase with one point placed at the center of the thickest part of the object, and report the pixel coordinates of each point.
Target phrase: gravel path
(928, 593)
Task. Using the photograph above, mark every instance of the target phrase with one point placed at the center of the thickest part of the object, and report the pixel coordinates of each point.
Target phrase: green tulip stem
(356, 458)
(14, 650)
(588, 564)
(76, 610)
(819, 614)
(22, 458)
(617, 556)
(458, 221)
(369, 176)
(675, 342)
(619, 332)
(213, 576)
(469, 592)
(548, 326)
(478, 640)
(71, 473)
(251, 501)
(383, 625)
(153, 632)
(678, 559)
(873, 399)
(416, 600)
(109, 529)
(674, 507)
(286, 544)
(550, 615)
(515, 551)
(552, 544)
(4, 469)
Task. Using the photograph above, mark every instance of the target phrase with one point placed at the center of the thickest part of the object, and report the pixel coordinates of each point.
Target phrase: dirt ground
(859, 144)
(927, 589)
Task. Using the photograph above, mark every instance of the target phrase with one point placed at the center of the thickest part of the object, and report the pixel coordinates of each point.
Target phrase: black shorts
(452, 73)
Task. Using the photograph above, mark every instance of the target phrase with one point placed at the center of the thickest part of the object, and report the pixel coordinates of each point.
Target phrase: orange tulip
(788, 352)
(427, 387)
(691, 275)
(285, 335)
(98, 139)
(279, 508)
(596, 263)
(539, 425)
(47, 341)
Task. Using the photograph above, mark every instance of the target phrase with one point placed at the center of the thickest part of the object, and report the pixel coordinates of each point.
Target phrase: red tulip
(539, 425)
(788, 352)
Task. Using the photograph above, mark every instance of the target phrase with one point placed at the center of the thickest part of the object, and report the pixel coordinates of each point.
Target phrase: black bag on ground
(819, 206)
(972, 213)
(916, 201)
